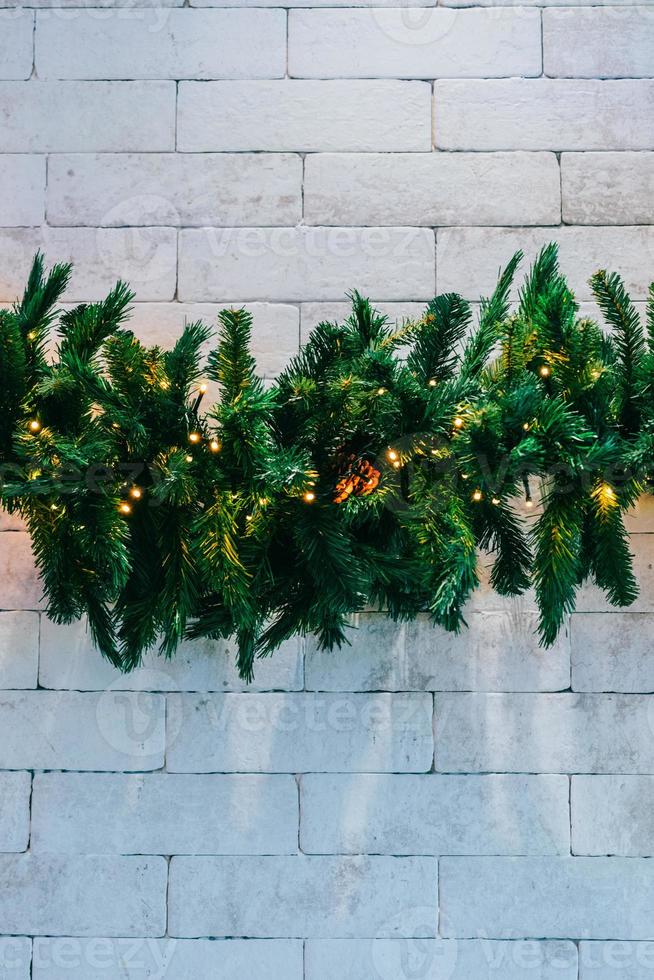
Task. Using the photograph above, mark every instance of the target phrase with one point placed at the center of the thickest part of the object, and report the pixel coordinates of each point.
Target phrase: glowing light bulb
(496, 500)
(381, 391)
(525, 426)
(433, 382)
(136, 493)
(203, 388)
(392, 455)
(309, 497)
(458, 422)
(35, 425)
(529, 503)
(194, 437)
(125, 508)
(544, 371)
(189, 458)
(214, 446)
(477, 496)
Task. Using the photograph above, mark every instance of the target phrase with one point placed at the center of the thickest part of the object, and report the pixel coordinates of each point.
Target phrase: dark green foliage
(373, 472)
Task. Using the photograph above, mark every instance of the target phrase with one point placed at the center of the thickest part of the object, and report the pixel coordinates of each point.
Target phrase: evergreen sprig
(372, 472)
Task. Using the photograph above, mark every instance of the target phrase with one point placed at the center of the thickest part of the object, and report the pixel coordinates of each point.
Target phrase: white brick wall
(419, 805)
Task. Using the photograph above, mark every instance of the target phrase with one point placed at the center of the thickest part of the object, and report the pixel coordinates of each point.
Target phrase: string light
(529, 503)
(125, 508)
(194, 437)
(458, 422)
(35, 425)
(477, 496)
(496, 500)
(309, 497)
(214, 446)
(189, 458)
(381, 391)
(392, 455)
(203, 388)
(433, 382)
(525, 426)
(544, 371)
(136, 493)
(464, 476)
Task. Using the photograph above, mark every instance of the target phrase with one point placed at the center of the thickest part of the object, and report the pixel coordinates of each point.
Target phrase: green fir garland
(370, 473)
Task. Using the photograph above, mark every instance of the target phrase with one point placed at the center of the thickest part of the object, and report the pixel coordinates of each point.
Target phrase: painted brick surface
(175, 959)
(441, 958)
(239, 152)
(613, 815)
(304, 115)
(174, 189)
(162, 813)
(585, 733)
(83, 896)
(299, 733)
(311, 896)
(403, 43)
(380, 814)
(432, 189)
(182, 44)
(521, 897)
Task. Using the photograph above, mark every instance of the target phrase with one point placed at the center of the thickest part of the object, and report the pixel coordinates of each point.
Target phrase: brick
(20, 586)
(544, 733)
(468, 259)
(70, 7)
(640, 517)
(19, 650)
(544, 114)
(22, 190)
(407, 43)
(70, 661)
(612, 652)
(599, 43)
(99, 256)
(306, 896)
(11, 522)
(176, 959)
(613, 815)
(299, 733)
(180, 44)
(432, 189)
(515, 897)
(161, 813)
(616, 958)
(15, 790)
(174, 189)
(540, 3)
(16, 43)
(304, 115)
(607, 188)
(305, 263)
(398, 959)
(303, 3)
(499, 652)
(314, 313)
(81, 896)
(38, 116)
(43, 729)
(432, 814)
(15, 957)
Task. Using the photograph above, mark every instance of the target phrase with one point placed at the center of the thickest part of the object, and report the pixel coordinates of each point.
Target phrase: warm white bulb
(544, 371)
(477, 496)
(309, 497)
(35, 425)
(214, 446)
(392, 455)
(458, 422)
(194, 437)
